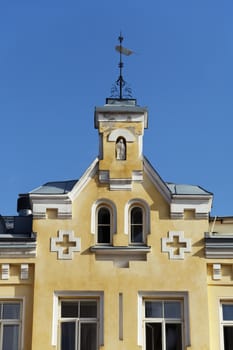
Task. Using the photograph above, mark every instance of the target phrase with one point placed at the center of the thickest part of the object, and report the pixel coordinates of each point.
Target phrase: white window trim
(107, 225)
(77, 294)
(103, 202)
(223, 300)
(21, 300)
(183, 296)
(137, 202)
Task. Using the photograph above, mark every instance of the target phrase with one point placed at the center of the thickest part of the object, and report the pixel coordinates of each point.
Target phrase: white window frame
(59, 296)
(79, 321)
(222, 321)
(109, 225)
(103, 203)
(140, 203)
(142, 224)
(165, 296)
(19, 322)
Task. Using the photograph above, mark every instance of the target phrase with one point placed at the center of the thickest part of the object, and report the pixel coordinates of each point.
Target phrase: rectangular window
(10, 325)
(163, 321)
(79, 324)
(227, 325)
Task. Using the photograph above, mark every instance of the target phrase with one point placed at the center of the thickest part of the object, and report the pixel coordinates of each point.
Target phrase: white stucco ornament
(176, 245)
(65, 245)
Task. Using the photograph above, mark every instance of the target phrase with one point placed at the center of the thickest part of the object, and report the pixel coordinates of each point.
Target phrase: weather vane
(121, 89)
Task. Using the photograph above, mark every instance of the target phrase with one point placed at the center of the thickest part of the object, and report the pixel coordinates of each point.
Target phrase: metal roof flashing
(54, 188)
(187, 190)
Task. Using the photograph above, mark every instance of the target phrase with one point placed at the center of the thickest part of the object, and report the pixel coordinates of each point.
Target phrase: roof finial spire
(121, 65)
(124, 89)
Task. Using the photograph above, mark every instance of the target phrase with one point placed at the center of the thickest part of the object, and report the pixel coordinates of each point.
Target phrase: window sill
(121, 255)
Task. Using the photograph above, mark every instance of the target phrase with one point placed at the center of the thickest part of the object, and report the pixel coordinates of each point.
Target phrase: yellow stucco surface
(84, 272)
(125, 276)
(16, 289)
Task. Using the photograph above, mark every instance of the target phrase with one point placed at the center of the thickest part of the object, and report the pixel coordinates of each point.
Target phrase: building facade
(118, 259)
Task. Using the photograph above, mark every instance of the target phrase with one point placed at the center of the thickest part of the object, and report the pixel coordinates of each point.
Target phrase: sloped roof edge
(171, 190)
(72, 188)
(65, 189)
(85, 178)
(157, 180)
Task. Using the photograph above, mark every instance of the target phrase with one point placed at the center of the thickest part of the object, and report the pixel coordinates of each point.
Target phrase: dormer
(121, 125)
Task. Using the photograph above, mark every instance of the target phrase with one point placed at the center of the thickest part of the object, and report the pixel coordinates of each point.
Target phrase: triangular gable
(198, 200)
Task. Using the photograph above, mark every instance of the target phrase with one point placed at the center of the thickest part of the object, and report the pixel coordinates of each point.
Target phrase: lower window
(79, 324)
(10, 325)
(227, 324)
(163, 324)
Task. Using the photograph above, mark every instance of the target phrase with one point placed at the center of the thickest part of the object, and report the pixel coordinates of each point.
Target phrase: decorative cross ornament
(65, 244)
(176, 245)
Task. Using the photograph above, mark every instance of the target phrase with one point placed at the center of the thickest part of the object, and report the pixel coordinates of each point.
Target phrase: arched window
(104, 226)
(103, 221)
(137, 221)
(136, 225)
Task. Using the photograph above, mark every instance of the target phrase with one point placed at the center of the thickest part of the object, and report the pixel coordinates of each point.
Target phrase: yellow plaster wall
(120, 169)
(85, 273)
(216, 294)
(218, 290)
(22, 290)
(225, 227)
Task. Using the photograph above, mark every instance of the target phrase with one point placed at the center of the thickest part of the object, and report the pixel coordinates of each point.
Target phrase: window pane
(88, 309)
(104, 234)
(136, 234)
(104, 216)
(153, 336)
(136, 216)
(172, 309)
(88, 336)
(227, 310)
(153, 309)
(69, 309)
(228, 337)
(173, 336)
(104, 225)
(11, 311)
(10, 337)
(136, 225)
(67, 336)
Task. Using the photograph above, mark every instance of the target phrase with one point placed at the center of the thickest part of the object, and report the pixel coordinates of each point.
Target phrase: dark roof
(177, 189)
(63, 187)
(55, 187)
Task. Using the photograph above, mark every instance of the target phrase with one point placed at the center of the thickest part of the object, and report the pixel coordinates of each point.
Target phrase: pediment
(179, 197)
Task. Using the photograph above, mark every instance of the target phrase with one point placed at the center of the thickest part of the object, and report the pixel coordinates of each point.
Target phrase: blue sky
(57, 62)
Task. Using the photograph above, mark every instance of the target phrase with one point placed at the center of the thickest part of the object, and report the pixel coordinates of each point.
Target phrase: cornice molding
(218, 246)
(121, 114)
(13, 249)
(120, 184)
(40, 204)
